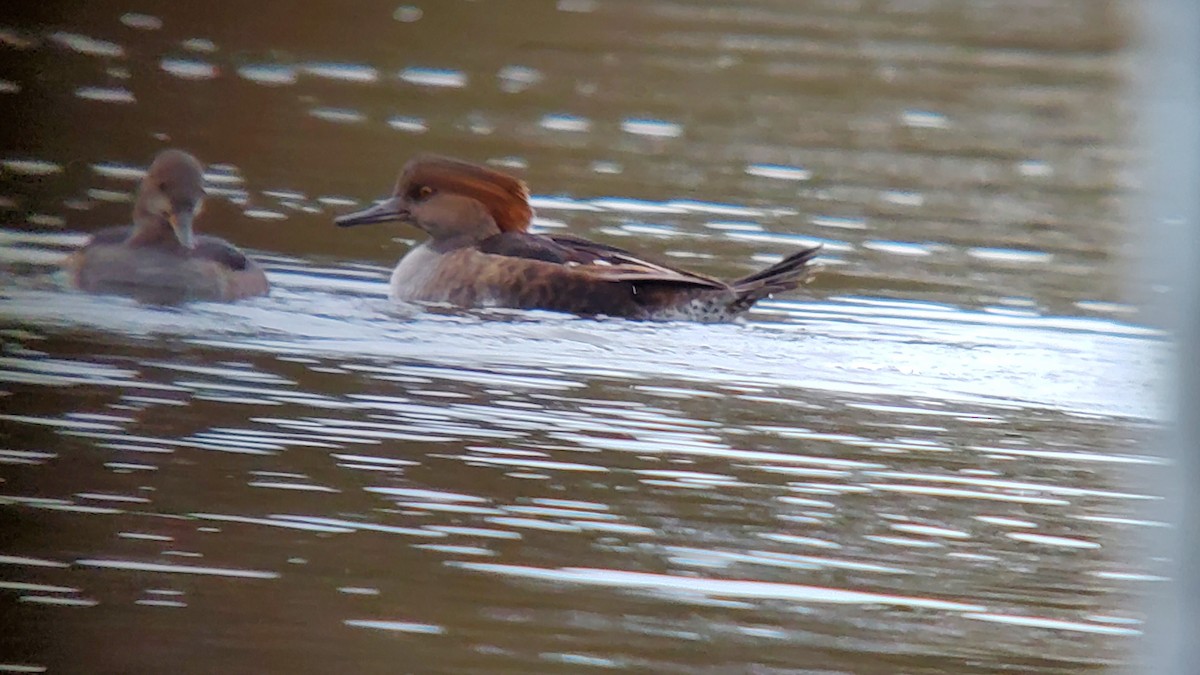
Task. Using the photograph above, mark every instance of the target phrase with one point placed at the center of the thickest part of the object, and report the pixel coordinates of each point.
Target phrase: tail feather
(782, 276)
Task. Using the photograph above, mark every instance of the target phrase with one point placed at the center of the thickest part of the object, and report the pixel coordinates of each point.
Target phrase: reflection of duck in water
(158, 259)
(481, 254)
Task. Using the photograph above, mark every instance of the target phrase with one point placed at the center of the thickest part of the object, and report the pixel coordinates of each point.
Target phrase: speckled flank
(469, 278)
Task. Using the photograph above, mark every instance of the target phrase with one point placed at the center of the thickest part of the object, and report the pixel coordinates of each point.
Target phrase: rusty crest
(506, 198)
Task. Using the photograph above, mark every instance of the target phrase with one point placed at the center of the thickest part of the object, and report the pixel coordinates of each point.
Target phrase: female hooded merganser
(158, 259)
(481, 254)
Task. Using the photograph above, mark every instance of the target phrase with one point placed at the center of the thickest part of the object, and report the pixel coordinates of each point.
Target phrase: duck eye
(421, 192)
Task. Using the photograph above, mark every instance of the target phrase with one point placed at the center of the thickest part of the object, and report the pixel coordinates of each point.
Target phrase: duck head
(169, 199)
(450, 200)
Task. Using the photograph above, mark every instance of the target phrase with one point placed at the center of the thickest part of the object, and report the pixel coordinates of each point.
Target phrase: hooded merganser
(159, 259)
(481, 254)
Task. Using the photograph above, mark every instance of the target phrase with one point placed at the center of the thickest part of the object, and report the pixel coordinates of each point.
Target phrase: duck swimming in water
(159, 259)
(481, 254)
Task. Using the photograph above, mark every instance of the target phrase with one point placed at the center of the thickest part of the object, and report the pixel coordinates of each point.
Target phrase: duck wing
(110, 235)
(221, 252)
(207, 248)
(601, 261)
(527, 245)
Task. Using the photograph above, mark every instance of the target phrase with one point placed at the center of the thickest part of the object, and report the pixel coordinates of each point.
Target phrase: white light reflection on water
(190, 69)
(139, 566)
(720, 588)
(106, 94)
(87, 45)
(397, 626)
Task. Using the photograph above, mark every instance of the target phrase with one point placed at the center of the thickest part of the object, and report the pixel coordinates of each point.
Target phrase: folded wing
(599, 261)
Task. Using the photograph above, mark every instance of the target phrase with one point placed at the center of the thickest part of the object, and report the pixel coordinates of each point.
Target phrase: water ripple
(720, 588)
(138, 566)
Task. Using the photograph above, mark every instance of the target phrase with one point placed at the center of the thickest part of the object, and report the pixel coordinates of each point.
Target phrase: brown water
(932, 461)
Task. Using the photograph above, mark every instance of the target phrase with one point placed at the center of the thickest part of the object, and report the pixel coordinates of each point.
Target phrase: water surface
(931, 460)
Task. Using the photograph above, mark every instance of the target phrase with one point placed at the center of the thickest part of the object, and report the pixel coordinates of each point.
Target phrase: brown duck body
(500, 273)
(158, 259)
(481, 254)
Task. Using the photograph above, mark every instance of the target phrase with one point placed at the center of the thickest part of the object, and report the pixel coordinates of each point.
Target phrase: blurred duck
(481, 254)
(159, 259)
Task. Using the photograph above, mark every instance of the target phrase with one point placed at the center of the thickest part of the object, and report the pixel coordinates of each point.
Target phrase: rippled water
(931, 460)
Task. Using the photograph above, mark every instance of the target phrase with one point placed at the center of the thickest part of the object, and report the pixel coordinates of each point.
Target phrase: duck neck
(150, 229)
(447, 244)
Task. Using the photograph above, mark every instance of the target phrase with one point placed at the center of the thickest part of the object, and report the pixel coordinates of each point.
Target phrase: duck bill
(387, 211)
(181, 223)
